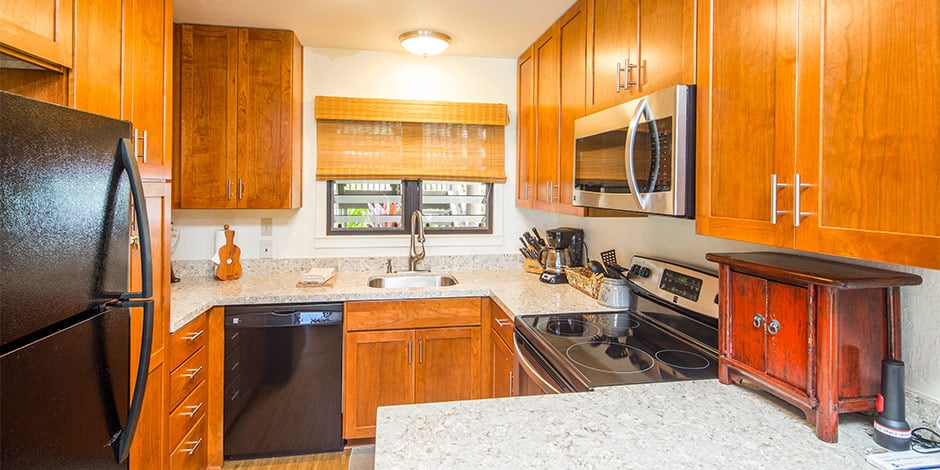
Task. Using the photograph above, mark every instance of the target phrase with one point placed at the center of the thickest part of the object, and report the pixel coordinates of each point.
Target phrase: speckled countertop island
(692, 424)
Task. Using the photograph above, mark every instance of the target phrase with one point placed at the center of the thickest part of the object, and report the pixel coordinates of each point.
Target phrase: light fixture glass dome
(424, 42)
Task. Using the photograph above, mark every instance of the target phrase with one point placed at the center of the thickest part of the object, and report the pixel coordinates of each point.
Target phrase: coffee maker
(565, 249)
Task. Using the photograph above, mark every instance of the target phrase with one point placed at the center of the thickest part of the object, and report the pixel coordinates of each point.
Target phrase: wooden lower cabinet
(148, 450)
(502, 368)
(388, 364)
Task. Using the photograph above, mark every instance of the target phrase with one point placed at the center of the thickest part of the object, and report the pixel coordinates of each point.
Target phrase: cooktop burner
(618, 358)
(570, 327)
(682, 359)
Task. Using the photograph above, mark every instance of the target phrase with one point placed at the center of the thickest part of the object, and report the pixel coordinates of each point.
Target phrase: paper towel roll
(219, 242)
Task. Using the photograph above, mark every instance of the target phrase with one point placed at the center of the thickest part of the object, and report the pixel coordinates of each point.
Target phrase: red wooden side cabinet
(810, 331)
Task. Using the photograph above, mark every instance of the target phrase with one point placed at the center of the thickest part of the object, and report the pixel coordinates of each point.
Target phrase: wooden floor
(325, 461)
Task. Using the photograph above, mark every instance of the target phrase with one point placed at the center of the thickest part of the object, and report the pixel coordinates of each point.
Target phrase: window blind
(365, 138)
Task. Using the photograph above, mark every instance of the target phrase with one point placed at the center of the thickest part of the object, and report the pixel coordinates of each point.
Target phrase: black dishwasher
(283, 379)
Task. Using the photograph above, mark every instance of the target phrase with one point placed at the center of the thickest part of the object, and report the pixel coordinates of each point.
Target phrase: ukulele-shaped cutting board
(229, 268)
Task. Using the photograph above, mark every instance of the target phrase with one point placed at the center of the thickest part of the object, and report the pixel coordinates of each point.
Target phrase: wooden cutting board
(229, 268)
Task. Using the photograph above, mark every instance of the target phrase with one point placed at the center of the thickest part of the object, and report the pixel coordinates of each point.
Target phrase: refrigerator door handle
(143, 223)
(140, 383)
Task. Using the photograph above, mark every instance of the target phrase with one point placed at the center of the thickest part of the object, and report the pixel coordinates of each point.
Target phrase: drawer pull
(192, 372)
(773, 327)
(193, 409)
(502, 323)
(193, 336)
(235, 395)
(758, 320)
(194, 444)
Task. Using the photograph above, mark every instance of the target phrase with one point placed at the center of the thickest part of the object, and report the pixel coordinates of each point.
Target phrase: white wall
(302, 233)
(676, 239)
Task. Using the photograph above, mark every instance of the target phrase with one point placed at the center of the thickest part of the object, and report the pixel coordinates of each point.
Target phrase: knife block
(532, 266)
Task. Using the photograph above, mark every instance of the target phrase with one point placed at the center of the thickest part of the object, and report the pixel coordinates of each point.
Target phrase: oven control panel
(684, 286)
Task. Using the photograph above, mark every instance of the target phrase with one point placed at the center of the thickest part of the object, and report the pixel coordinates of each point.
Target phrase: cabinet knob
(773, 327)
(758, 320)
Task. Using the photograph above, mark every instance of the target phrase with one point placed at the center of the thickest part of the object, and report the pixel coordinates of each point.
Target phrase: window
(385, 207)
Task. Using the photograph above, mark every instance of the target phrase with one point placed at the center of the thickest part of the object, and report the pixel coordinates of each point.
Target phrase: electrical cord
(925, 440)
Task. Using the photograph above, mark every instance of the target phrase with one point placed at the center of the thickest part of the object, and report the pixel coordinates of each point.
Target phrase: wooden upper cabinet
(96, 77)
(526, 141)
(572, 37)
(613, 33)
(547, 102)
(38, 30)
(148, 29)
(639, 47)
(269, 119)
(239, 94)
(864, 153)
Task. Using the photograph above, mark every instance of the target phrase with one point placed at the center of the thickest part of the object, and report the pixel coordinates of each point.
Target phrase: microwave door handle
(642, 109)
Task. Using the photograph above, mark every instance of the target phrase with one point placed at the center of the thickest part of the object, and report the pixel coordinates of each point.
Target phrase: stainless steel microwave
(639, 156)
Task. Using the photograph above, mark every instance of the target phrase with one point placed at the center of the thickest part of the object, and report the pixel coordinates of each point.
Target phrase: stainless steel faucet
(417, 221)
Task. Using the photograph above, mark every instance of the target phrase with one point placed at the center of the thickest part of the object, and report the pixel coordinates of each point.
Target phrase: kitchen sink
(391, 281)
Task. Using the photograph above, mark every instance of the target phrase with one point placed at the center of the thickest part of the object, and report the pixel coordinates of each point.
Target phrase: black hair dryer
(891, 428)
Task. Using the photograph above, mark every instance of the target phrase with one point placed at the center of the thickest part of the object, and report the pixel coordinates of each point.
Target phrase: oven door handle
(531, 371)
(642, 109)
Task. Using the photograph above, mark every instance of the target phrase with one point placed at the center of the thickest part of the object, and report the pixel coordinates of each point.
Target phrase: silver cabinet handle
(421, 352)
(510, 383)
(194, 444)
(241, 189)
(527, 185)
(548, 187)
(501, 322)
(146, 143)
(619, 69)
(409, 352)
(798, 188)
(625, 70)
(192, 336)
(193, 409)
(774, 187)
(192, 372)
(228, 190)
(758, 320)
(773, 327)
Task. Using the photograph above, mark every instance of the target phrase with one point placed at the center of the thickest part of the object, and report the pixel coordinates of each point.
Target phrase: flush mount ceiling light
(424, 42)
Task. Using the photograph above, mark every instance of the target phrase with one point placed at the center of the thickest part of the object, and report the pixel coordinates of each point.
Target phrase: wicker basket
(584, 280)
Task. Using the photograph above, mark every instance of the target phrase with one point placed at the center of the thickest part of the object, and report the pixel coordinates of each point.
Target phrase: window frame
(411, 197)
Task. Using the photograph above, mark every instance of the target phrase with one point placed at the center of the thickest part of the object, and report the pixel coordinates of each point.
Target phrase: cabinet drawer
(405, 314)
(191, 452)
(185, 378)
(187, 340)
(188, 413)
(501, 324)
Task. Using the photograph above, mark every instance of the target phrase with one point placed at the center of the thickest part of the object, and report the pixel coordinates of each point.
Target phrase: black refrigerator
(66, 185)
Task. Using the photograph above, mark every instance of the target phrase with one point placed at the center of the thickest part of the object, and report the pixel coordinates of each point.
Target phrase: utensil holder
(584, 280)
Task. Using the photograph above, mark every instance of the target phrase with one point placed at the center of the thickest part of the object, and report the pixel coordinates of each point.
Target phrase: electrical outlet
(267, 248)
(266, 229)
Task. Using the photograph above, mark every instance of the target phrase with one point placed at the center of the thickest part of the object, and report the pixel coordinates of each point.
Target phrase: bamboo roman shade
(365, 138)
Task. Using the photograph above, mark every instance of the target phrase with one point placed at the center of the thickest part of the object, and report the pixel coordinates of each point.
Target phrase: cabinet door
(147, 55)
(748, 318)
(268, 131)
(149, 449)
(614, 32)
(867, 149)
(502, 367)
(547, 93)
(96, 75)
(572, 36)
(158, 209)
(378, 370)
(449, 366)
(666, 44)
(788, 344)
(745, 119)
(525, 126)
(40, 29)
(207, 172)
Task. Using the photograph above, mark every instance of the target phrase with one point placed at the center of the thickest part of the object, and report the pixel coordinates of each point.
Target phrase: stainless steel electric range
(671, 334)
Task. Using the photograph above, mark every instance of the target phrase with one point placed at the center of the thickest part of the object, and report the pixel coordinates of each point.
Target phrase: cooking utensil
(609, 258)
(538, 238)
(597, 268)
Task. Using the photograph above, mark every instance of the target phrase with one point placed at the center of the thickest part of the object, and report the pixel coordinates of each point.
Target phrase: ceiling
(479, 28)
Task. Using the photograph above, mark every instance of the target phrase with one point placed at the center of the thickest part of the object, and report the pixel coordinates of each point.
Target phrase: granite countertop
(691, 424)
(516, 292)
